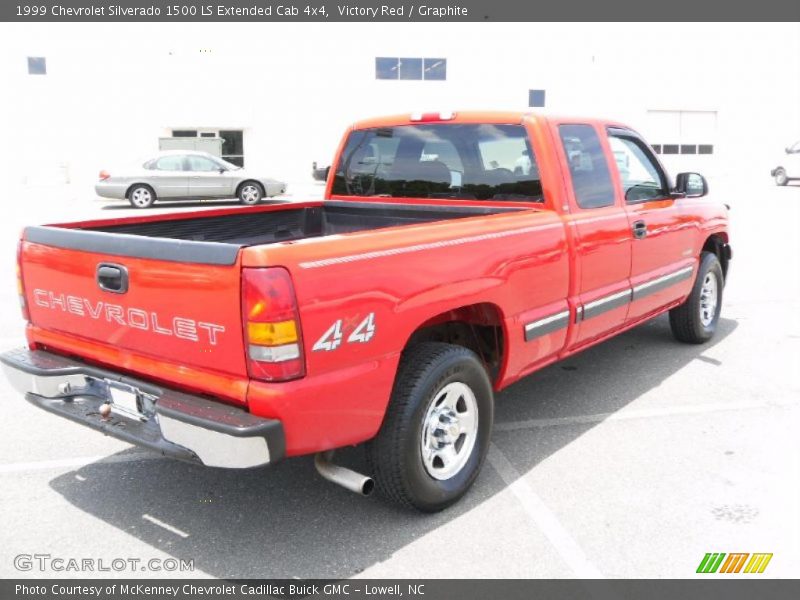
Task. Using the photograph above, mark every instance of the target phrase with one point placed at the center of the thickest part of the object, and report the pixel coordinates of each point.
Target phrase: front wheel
(781, 177)
(250, 193)
(141, 196)
(437, 427)
(695, 321)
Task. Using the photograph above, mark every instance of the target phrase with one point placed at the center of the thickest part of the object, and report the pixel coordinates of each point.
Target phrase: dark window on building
(208, 134)
(657, 148)
(184, 133)
(670, 149)
(387, 68)
(588, 168)
(688, 149)
(411, 68)
(37, 65)
(457, 161)
(536, 98)
(435, 69)
(233, 146)
(705, 149)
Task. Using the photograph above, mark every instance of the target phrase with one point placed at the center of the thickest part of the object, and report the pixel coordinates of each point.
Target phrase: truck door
(663, 255)
(601, 233)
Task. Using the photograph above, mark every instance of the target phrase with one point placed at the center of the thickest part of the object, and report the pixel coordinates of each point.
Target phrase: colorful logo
(713, 562)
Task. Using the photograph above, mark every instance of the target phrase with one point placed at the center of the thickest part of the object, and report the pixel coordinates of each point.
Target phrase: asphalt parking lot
(633, 459)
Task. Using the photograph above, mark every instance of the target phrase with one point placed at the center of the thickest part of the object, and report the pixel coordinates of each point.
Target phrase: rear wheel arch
(140, 184)
(241, 184)
(478, 327)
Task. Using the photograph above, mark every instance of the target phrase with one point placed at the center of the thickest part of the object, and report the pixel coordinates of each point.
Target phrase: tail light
(271, 323)
(20, 284)
(104, 175)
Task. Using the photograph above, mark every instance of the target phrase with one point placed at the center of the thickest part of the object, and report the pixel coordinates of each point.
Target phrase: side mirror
(222, 170)
(691, 185)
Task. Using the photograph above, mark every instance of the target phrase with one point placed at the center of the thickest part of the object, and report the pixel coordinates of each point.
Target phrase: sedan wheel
(141, 196)
(250, 193)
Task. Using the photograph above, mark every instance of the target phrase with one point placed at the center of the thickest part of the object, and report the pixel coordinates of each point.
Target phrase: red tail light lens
(104, 175)
(271, 324)
(21, 285)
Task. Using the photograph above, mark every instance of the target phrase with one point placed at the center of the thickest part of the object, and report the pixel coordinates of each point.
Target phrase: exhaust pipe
(347, 478)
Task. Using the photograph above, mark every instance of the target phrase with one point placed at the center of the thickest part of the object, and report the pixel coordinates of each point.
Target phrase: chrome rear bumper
(178, 425)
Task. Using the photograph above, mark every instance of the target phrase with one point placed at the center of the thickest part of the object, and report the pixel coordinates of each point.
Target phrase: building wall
(111, 90)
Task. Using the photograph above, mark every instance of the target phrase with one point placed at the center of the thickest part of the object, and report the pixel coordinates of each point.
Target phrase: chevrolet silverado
(453, 254)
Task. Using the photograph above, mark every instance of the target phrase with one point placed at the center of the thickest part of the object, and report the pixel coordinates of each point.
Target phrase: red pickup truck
(453, 254)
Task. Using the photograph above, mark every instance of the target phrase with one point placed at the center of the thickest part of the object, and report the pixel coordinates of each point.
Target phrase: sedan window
(169, 163)
(201, 163)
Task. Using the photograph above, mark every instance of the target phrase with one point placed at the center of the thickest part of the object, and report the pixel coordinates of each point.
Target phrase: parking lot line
(166, 526)
(544, 519)
(647, 413)
(71, 463)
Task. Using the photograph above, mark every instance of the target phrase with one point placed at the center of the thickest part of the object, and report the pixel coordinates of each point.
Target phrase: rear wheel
(695, 321)
(437, 427)
(141, 196)
(780, 176)
(250, 193)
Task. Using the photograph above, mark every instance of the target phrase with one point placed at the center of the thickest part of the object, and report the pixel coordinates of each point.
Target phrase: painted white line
(566, 546)
(166, 526)
(648, 413)
(73, 463)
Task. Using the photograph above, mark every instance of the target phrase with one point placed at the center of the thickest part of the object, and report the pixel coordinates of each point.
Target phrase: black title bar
(37, 11)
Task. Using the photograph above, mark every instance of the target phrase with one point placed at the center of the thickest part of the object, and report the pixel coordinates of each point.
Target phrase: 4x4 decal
(332, 338)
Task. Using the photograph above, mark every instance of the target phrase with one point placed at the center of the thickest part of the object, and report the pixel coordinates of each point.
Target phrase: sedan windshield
(469, 161)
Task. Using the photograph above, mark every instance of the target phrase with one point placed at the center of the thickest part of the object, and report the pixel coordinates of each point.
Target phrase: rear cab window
(440, 160)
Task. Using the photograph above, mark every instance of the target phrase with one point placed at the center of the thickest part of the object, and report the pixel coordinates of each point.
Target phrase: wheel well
(478, 327)
(716, 244)
(258, 183)
(133, 185)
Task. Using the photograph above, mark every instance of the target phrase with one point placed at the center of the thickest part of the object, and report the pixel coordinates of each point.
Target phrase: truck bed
(265, 227)
(217, 239)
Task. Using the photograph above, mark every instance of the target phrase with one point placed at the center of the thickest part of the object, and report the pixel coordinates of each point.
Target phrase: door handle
(639, 229)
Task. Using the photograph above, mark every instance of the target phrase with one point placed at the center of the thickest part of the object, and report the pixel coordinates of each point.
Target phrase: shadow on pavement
(286, 521)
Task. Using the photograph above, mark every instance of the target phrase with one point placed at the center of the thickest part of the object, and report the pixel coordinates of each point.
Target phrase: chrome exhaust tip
(347, 478)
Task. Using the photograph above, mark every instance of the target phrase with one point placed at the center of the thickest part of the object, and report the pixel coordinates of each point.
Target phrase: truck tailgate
(163, 307)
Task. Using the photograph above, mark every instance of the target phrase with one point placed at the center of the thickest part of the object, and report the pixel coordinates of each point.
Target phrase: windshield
(470, 162)
(226, 164)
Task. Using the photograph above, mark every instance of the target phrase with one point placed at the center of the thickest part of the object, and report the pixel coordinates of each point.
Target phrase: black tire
(693, 322)
(395, 454)
(250, 193)
(780, 176)
(141, 196)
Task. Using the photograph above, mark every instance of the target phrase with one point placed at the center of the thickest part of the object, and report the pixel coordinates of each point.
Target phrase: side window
(639, 175)
(201, 163)
(588, 169)
(169, 163)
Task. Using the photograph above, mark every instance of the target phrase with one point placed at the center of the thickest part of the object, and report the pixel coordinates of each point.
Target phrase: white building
(716, 98)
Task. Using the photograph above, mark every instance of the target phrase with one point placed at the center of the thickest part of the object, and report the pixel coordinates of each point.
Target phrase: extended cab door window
(588, 168)
(603, 236)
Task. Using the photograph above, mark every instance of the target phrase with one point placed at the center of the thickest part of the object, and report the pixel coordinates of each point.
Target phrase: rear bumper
(178, 425)
(110, 190)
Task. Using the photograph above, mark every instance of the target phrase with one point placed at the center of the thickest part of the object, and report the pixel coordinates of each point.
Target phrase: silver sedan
(186, 175)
